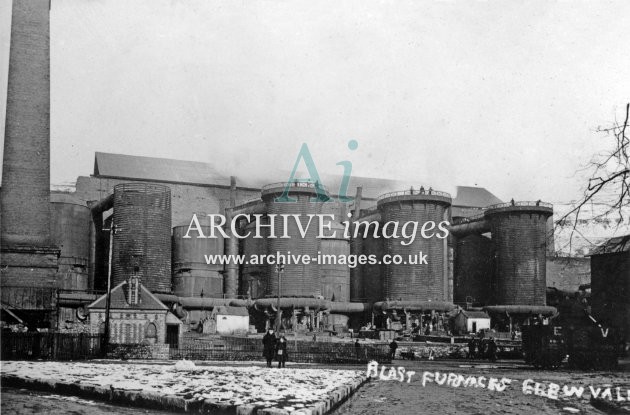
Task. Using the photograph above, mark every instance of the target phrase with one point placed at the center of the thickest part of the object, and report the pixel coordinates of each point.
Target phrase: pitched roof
(474, 197)
(119, 301)
(613, 245)
(475, 314)
(194, 172)
(156, 169)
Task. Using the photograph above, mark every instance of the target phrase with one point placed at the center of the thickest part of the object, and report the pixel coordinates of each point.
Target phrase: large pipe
(357, 204)
(346, 308)
(414, 305)
(231, 245)
(522, 309)
(356, 279)
(448, 292)
(250, 208)
(313, 303)
(230, 280)
(92, 256)
(199, 303)
(370, 217)
(99, 206)
(97, 274)
(232, 191)
(167, 298)
(289, 302)
(238, 302)
(76, 299)
(464, 229)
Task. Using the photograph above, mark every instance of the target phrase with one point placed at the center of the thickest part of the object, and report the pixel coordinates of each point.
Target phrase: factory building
(150, 203)
(122, 228)
(143, 197)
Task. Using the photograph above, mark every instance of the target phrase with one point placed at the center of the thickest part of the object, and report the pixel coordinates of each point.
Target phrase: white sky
(504, 95)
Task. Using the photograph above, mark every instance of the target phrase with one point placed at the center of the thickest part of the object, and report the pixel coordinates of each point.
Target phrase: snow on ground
(288, 388)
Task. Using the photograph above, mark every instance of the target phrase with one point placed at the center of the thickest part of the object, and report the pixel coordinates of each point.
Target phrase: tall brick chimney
(27, 259)
(26, 166)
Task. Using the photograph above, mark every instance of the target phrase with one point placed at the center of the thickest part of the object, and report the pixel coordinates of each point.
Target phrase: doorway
(172, 335)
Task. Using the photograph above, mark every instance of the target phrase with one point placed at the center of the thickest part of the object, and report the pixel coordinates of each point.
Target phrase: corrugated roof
(474, 197)
(119, 301)
(613, 245)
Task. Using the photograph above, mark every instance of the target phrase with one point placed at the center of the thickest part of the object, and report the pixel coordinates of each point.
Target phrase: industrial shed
(227, 320)
(610, 283)
(469, 321)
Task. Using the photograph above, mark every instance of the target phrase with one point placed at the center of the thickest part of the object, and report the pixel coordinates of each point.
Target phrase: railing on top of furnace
(526, 204)
(414, 192)
(296, 183)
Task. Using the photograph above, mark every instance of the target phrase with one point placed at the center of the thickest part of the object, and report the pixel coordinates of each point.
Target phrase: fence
(79, 346)
(243, 349)
(52, 346)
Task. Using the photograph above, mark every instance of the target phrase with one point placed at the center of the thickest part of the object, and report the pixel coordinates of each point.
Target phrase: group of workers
(421, 191)
(482, 348)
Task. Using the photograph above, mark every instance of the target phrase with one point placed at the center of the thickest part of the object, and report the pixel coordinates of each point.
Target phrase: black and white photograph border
(314, 207)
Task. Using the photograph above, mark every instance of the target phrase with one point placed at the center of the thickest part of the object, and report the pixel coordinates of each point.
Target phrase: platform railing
(521, 204)
(414, 192)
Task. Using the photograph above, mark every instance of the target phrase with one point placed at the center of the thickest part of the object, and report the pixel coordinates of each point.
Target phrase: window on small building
(151, 332)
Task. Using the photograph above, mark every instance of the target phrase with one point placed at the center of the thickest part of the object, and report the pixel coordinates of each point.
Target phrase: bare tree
(610, 171)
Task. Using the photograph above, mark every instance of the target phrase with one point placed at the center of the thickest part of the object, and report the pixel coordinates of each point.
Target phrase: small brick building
(136, 316)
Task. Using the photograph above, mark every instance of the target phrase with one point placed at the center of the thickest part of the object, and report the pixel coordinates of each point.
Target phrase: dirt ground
(395, 397)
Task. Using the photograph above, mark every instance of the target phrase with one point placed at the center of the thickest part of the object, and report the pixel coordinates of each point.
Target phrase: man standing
(269, 346)
(472, 348)
(492, 350)
(392, 349)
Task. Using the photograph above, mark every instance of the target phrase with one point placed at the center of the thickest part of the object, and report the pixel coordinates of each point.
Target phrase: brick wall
(130, 326)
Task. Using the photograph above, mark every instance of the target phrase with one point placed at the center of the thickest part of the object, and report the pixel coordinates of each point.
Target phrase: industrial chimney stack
(27, 256)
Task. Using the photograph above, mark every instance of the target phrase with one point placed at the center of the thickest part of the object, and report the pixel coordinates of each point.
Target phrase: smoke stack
(25, 198)
(28, 263)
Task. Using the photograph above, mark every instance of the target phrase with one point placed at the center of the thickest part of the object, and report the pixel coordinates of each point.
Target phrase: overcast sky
(504, 95)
